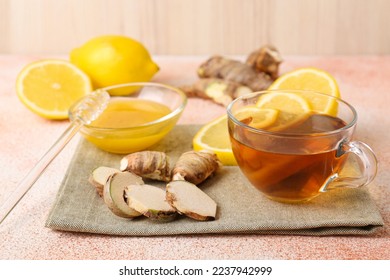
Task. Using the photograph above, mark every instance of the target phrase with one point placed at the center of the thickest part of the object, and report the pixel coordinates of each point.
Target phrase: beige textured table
(364, 82)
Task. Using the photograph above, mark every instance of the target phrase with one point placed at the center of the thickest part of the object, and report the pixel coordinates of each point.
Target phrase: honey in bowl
(135, 121)
(129, 125)
(128, 112)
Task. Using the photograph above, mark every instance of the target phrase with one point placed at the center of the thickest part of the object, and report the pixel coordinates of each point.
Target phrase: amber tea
(291, 176)
(293, 145)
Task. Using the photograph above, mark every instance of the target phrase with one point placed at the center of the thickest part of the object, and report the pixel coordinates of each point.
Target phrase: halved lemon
(49, 87)
(311, 79)
(292, 108)
(214, 136)
(257, 117)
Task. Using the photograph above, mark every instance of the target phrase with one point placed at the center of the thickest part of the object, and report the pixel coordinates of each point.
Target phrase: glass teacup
(303, 159)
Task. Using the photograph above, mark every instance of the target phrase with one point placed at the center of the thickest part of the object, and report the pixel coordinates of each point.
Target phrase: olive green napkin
(241, 208)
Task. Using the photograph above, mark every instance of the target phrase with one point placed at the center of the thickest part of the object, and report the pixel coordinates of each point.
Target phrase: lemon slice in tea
(311, 79)
(257, 117)
(292, 108)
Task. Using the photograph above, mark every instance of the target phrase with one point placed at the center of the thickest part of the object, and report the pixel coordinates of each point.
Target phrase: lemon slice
(214, 136)
(257, 117)
(292, 108)
(311, 79)
(49, 87)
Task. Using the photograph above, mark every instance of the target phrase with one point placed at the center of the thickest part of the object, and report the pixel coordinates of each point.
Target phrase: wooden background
(199, 27)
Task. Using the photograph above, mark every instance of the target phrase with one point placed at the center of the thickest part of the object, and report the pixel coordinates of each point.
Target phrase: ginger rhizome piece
(195, 167)
(220, 91)
(235, 71)
(266, 59)
(222, 79)
(148, 164)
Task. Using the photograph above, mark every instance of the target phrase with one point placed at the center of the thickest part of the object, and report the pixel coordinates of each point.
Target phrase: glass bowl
(122, 139)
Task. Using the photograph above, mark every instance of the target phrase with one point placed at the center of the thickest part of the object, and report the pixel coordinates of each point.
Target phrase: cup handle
(367, 165)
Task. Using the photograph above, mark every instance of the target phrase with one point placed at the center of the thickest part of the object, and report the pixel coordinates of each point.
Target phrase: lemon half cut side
(214, 136)
(50, 87)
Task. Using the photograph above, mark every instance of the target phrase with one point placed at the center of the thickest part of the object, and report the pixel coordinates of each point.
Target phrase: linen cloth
(241, 208)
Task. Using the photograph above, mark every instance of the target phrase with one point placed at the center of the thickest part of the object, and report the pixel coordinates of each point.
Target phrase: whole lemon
(113, 59)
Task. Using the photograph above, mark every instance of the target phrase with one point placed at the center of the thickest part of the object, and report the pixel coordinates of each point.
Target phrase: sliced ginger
(127, 196)
(150, 201)
(114, 193)
(99, 176)
(191, 201)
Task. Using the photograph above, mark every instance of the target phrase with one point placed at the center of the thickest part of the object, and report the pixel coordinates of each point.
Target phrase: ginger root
(266, 59)
(235, 71)
(223, 79)
(220, 91)
(195, 167)
(148, 164)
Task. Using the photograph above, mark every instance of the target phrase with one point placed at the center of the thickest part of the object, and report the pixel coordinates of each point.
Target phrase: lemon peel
(111, 60)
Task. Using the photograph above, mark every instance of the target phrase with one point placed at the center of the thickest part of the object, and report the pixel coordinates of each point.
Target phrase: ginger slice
(150, 201)
(114, 193)
(99, 177)
(148, 164)
(191, 201)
